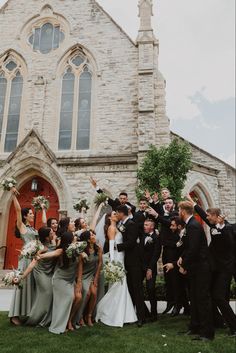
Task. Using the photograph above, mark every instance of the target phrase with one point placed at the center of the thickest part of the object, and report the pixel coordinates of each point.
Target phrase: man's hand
(149, 274)
(180, 261)
(182, 271)
(93, 182)
(147, 195)
(155, 197)
(168, 267)
(189, 198)
(152, 212)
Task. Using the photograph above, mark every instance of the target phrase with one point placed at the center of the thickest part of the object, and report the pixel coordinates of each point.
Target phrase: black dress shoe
(140, 323)
(232, 334)
(202, 338)
(175, 311)
(153, 318)
(168, 308)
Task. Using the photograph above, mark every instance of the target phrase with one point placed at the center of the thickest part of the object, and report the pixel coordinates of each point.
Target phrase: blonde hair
(186, 206)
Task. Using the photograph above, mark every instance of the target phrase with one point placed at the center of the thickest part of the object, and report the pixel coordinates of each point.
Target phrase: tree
(165, 167)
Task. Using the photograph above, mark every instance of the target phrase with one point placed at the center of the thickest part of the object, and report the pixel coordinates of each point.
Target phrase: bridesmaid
(88, 276)
(66, 295)
(23, 297)
(43, 270)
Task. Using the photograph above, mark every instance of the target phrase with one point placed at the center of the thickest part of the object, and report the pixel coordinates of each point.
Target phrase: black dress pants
(135, 286)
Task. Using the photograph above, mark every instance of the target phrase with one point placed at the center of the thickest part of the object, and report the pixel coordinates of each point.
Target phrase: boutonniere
(148, 240)
(184, 233)
(179, 244)
(121, 228)
(215, 231)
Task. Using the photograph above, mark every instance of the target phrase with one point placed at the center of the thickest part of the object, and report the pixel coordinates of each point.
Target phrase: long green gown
(63, 283)
(41, 312)
(89, 271)
(23, 297)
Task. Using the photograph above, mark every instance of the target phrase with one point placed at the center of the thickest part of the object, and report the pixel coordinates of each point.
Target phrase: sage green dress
(41, 312)
(89, 271)
(23, 297)
(63, 284)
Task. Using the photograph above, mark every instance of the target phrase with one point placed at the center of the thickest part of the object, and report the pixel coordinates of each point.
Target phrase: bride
(116, 307)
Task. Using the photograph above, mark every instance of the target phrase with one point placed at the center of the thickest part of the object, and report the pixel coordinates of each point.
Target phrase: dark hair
(143, 198)
(24, 213)
(78, 223)
(123, 209)
(123, 194)
(44, 233)
(178, 221)
(107, 224)
(66, 240)
(63, 226)
(150, 220)
(214, 211)
(49, 221)
(85, 236)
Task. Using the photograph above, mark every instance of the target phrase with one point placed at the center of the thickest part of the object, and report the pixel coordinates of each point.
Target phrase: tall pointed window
(11, 85)
(75, 113)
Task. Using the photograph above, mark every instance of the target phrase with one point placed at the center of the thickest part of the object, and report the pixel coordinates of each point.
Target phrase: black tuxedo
(150, 253)
(169, 254)
(158, 207)
(116, 203)
(222, 256)
(133, 266)
(139, 218)
(196, 262)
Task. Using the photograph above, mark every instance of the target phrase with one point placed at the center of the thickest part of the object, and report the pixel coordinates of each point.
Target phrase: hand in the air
(93, 182)
(168, 267)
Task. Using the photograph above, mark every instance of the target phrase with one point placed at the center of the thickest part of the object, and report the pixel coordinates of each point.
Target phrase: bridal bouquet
(8, 183)
(114, 272)
(80, 205)
(39, 201)
(76, 249)
(30, 249)
(12, 278)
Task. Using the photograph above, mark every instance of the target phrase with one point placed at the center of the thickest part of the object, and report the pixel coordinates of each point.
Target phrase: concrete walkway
(6, 294)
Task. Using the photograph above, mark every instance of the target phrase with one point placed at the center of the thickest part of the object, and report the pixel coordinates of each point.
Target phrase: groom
(133, 264)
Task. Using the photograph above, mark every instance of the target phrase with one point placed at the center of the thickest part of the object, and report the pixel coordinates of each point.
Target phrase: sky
(197, 53)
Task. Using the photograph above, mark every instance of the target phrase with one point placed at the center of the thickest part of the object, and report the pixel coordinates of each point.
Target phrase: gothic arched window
(75, 112)
(46, 38)
(11, 85)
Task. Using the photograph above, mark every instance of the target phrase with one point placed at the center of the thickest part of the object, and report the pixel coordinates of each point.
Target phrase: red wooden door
(196, 198)
(25, 200)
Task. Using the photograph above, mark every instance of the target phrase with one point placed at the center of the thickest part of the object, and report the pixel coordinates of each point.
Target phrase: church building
(80, 98)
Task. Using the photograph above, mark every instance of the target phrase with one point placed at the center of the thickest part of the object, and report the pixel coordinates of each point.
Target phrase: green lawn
(102, 339)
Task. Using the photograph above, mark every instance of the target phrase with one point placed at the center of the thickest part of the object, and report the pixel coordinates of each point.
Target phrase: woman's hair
(49, 221)
(85, 236)
(63, 226)
(107, 224)
(78, 224)
(44, 233)
(24, 213)
(66, 240)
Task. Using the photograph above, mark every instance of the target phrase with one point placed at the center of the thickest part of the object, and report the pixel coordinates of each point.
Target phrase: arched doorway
(25, 199)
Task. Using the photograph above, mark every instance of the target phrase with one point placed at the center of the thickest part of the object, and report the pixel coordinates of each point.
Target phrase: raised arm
(50, 255)
(19, 221)
(199, 210)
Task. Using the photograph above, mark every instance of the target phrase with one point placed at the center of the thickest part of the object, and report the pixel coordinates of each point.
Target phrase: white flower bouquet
(39, 201)
(113, 272)
(30, 249)
(12, 278)
(8, 183)
(76, 249)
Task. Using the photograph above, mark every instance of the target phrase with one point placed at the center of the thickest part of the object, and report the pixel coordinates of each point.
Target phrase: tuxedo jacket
(130, 245)
(139, 218)
(168, 238)
(158, 207)
(195, 253)
(116, 203)
(150, 251)
(222, 245)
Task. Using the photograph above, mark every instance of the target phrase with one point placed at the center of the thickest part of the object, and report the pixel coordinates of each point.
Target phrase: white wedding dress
(116, 307)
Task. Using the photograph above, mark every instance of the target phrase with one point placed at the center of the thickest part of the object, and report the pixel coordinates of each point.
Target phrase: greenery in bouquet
(113, 272)
(38, 201)
(75, 249)
(8, 183)
(81, 205)
(100, 198)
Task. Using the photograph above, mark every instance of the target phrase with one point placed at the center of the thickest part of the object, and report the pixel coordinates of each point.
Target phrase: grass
(102, 339)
